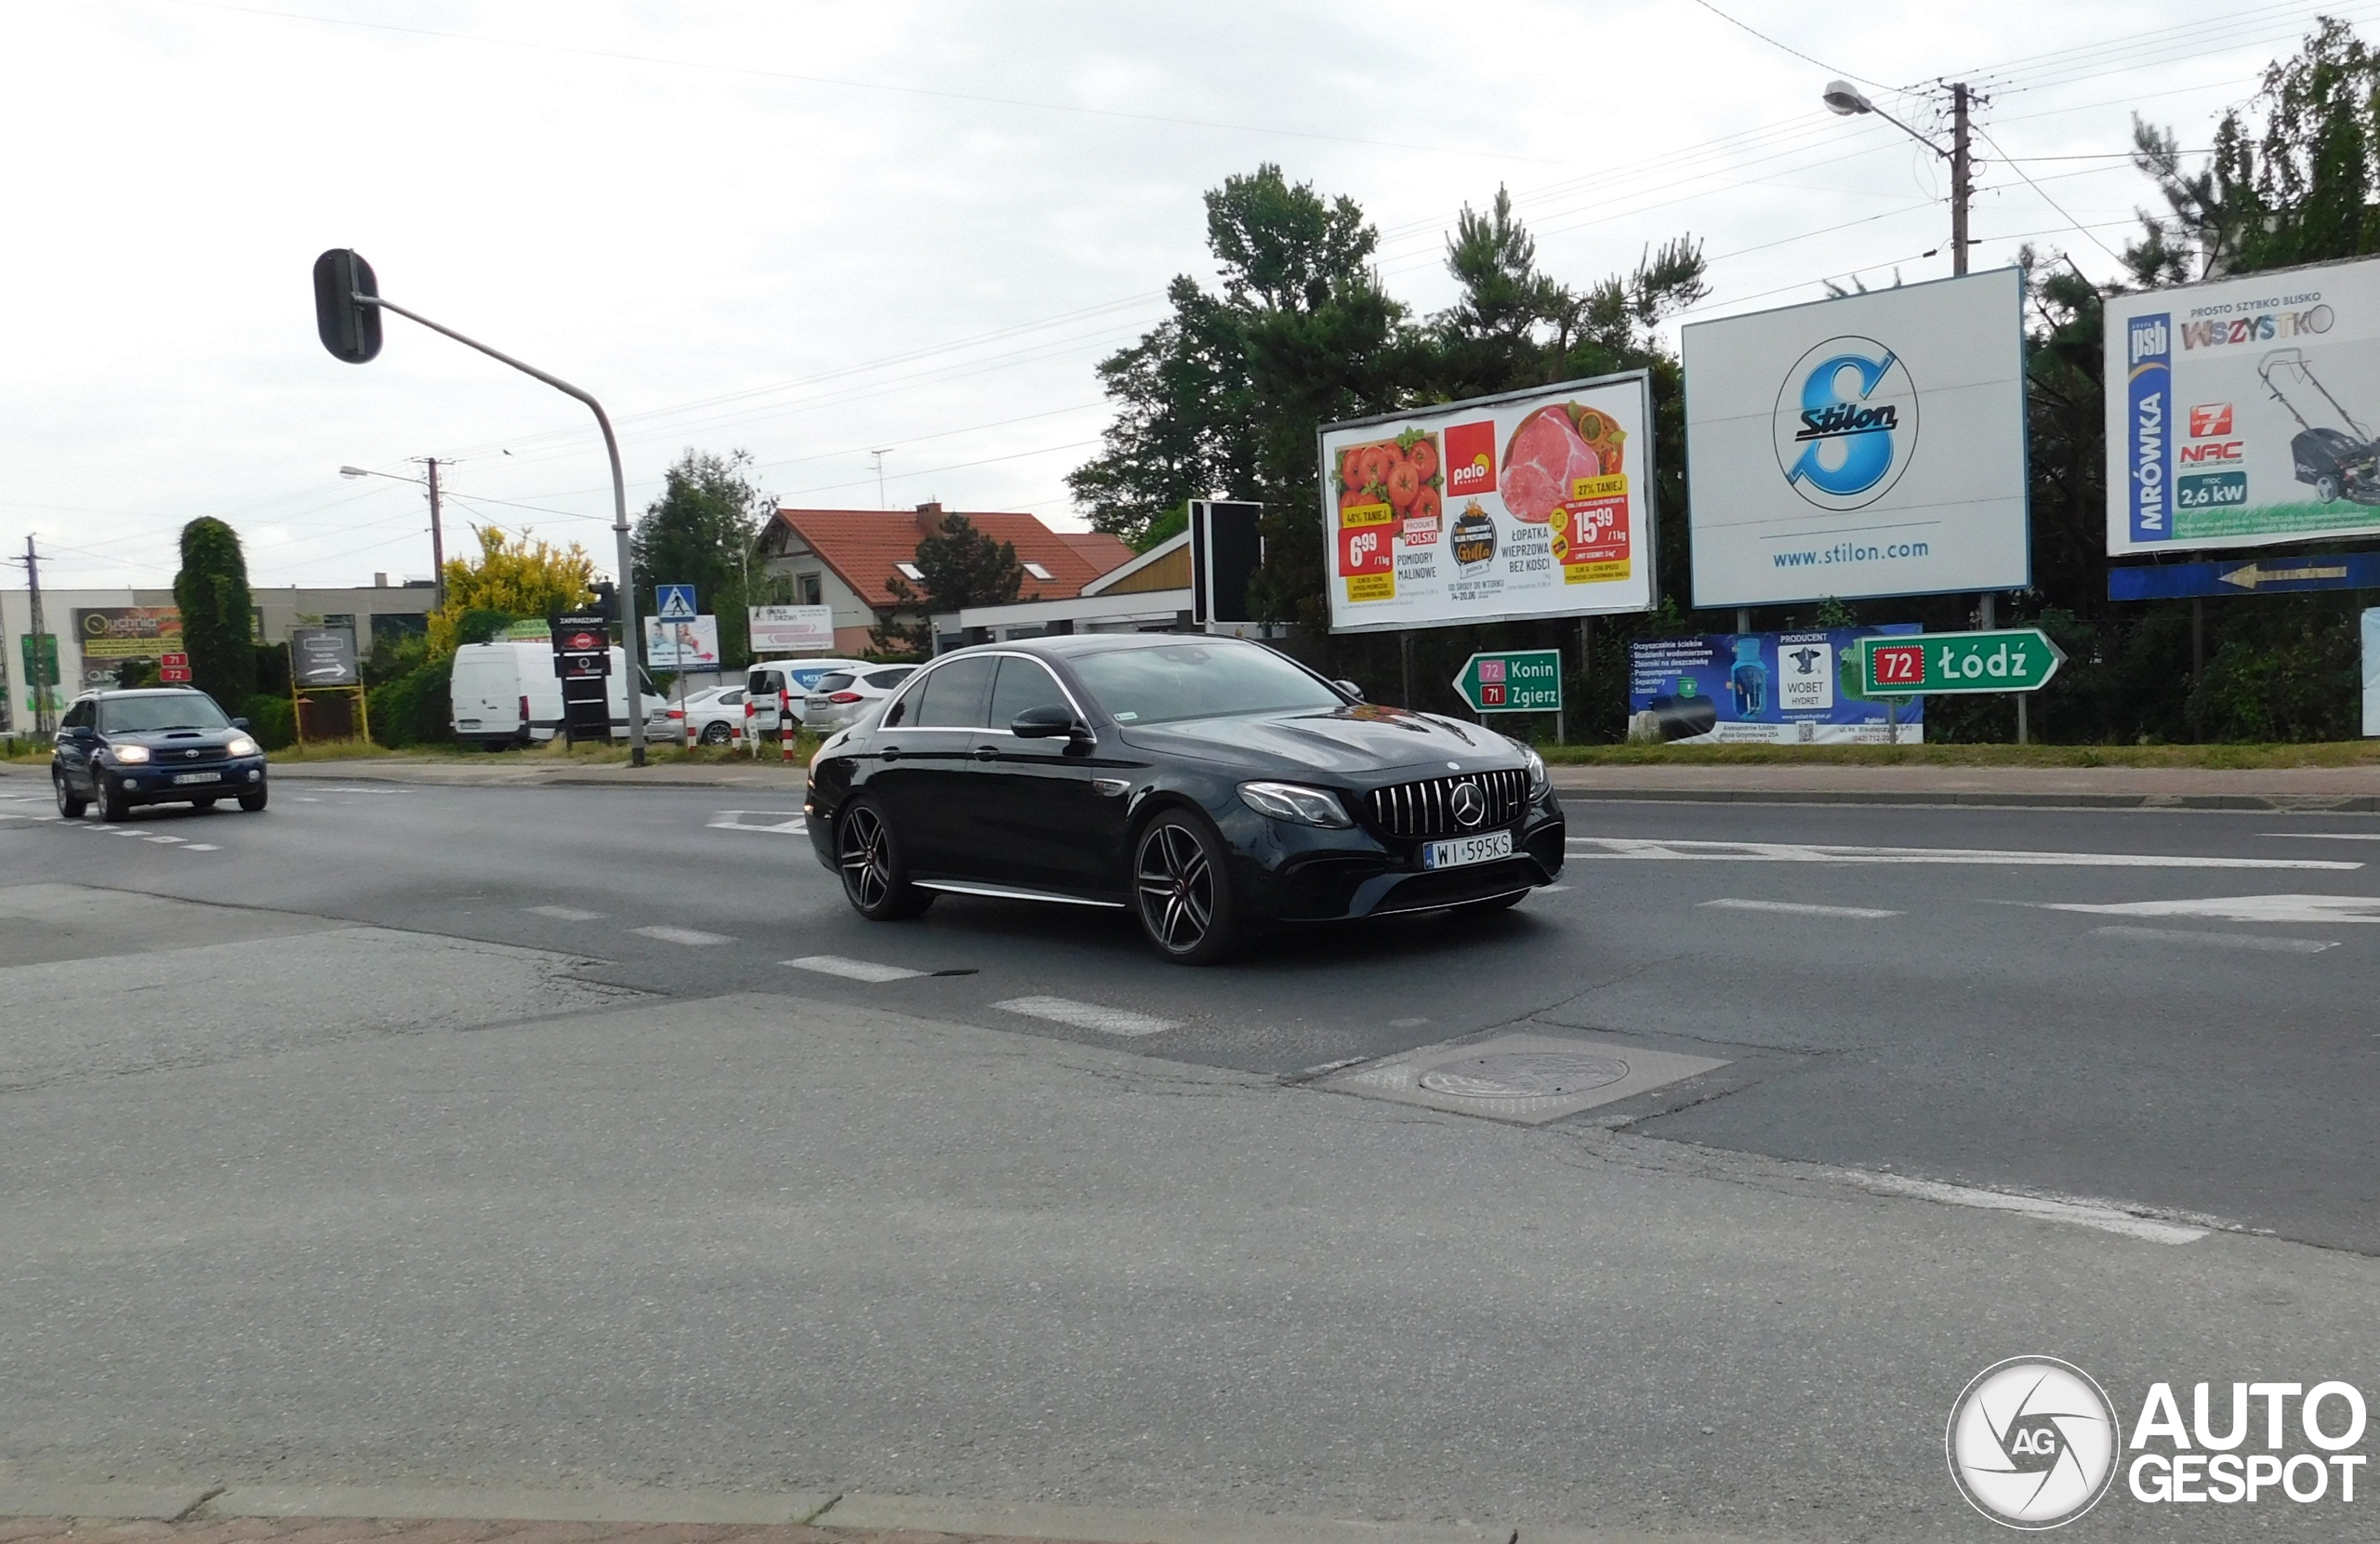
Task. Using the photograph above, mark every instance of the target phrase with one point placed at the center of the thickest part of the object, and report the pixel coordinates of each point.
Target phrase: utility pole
(37, 666)
(437, 542)
(880, 455)
(1962, 176)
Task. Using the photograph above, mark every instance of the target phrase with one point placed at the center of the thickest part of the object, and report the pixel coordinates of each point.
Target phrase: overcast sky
(816, 230)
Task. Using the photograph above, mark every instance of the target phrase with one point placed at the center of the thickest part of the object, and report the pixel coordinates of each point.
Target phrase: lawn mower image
(2339, 463)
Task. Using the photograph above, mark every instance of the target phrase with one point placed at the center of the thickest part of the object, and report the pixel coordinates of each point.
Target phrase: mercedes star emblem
(1470, 804)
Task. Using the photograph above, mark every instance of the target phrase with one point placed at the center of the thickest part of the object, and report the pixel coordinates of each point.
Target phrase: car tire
(1491, 905)
(254, 801)
(71, 804)
(1181, 889)
(867, 855)
(112, 804)
(716, 733)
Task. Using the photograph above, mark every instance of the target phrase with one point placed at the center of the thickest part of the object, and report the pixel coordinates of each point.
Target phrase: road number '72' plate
(1467, 850)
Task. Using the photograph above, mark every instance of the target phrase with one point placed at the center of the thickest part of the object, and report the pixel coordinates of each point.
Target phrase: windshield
(174, 710)
(1198, 681)
(834, 682)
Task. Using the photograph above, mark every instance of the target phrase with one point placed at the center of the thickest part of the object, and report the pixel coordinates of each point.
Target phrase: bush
(417, 708)
(272, 720)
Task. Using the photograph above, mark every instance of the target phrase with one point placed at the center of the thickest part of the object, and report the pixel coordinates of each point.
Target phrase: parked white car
(842, 698)
(789, 680)
(507, 693)
(715, 712)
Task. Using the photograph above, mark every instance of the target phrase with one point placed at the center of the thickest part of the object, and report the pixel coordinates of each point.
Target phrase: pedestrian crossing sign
(676, 602)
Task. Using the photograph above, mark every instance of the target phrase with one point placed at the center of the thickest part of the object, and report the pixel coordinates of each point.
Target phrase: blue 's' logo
(1846, 423)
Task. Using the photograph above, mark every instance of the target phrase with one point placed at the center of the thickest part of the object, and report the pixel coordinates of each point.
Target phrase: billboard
(779, 631)
(1779, 689)
(1869, 445)
(323, 656)
(2241, 412)
(1535, 502)
(689, 644)
(107, 635)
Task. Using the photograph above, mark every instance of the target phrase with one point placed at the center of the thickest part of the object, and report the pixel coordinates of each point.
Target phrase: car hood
(175, 739)
(1358, 742)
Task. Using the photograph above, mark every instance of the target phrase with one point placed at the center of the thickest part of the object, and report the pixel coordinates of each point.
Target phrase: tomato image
(1351, 468)
(1425, 505)
(1424, 457)
(1404, 485)
(1375, 460)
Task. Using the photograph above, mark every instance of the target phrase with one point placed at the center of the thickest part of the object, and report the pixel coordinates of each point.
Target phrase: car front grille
(1427, 809)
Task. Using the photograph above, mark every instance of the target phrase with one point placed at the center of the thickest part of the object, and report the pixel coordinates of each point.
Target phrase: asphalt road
(489, 1135)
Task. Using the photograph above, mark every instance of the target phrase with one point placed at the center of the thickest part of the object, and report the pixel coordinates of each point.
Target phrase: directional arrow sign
(1519, 680)
(2257, 577)
(2013, 659)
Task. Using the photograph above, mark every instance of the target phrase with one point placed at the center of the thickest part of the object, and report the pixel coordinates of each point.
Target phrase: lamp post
(437, 538)
(1845, 99)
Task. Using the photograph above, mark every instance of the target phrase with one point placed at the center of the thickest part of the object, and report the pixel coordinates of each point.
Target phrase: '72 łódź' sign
(1533, 504)
(2013, 659)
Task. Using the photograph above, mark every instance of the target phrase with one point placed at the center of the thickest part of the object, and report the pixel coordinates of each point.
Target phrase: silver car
(842, 698)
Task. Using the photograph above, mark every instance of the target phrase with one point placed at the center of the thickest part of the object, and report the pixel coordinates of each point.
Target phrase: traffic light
(350, 328)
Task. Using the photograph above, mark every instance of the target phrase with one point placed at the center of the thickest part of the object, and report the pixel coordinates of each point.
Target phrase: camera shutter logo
(1845, 423)
(2032, 1443)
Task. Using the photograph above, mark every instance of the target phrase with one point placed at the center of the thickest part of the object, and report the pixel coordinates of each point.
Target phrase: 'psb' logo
(1845, 423)
(2032, 1443)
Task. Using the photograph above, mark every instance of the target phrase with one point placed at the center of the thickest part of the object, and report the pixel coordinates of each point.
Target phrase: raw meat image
(1550, 450)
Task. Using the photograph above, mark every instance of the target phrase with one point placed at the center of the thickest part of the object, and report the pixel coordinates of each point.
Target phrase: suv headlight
(241, 745)
(1538, 781)
(1292, 802)
(130, 755)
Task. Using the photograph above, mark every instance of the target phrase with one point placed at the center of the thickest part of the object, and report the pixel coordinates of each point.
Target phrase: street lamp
(1844, 100)
(437, 538)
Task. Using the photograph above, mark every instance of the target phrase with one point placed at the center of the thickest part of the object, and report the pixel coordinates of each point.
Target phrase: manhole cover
(1524, 1075)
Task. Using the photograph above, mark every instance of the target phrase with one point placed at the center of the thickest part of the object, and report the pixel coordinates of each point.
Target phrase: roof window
(1038, 571)
(911, 572)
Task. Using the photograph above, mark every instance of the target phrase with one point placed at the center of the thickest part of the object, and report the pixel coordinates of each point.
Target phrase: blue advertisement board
(1777, 689)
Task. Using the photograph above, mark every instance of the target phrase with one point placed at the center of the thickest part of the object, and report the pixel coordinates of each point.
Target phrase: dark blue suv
(170, 745)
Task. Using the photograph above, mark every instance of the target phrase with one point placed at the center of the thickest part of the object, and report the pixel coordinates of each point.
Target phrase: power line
(1773, 43)
(2036, 187)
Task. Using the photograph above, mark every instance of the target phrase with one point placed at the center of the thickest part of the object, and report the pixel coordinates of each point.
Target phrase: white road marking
(2089, 1214)
(1676, 850)
(367, 790)
(851, 970)
(1795, 908)
(2220, 940)
(2242, 909)
(202, 847)
(566, 913)
(121, 831)
(693, 938)
(2326, 835)
(169, 840)
(775, 822)
(303, 799)
(1084, 1015)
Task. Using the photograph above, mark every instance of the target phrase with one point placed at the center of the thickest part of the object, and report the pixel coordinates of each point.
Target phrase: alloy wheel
(1176, 886)
(865, 853)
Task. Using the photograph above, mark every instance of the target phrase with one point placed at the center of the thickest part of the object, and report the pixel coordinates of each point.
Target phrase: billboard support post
(1404, 661)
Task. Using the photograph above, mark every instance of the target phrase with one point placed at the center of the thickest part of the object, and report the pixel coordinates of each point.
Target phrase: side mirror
(1349, 688)
(1048, 723)
(239, 723)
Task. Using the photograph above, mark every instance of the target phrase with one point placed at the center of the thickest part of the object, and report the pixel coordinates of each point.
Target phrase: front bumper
(1292, 874)
(155, 783)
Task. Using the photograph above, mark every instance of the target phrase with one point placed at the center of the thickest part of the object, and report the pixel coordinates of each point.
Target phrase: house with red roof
(847, 560)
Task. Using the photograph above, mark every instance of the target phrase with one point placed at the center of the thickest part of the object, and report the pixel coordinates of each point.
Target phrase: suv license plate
(198, 777)
(1467, 850)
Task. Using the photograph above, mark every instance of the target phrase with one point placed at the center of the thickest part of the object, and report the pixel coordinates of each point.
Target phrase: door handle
(890, 753)
(985, 753)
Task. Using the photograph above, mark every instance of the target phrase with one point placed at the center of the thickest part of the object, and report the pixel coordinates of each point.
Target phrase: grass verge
(2334, 753)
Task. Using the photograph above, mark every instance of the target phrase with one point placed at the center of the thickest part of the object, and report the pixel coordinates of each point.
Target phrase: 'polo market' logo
(1845, 423)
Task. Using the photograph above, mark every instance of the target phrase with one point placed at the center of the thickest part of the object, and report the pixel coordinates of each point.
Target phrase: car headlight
(1538, 781)
(241, 745)
(1292, 802)
(130, 755)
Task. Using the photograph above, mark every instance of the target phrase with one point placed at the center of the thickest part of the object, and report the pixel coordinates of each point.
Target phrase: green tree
(701, 531)
(962, 566)
(218, 617)
(516, 575)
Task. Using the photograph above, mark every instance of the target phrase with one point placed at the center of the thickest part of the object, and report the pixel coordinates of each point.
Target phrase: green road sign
(1518, 680)
(2013, 659)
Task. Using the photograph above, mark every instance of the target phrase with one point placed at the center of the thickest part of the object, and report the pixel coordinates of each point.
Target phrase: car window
(833, 681)
(732, 696)
(884, 680)
(952, 696)
(173, 710)
(764, 683)
(1172, 681)
(78, 717)
(1024, 683)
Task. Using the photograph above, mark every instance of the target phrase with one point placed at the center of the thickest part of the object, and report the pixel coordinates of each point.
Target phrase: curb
(2352, 804)
(1080, 1524)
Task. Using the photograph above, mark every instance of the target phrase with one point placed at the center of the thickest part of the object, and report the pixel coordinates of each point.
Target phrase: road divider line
(2219, 940)
(1084, 1015)
(169, 840)
(2326, 835)
(693, 938)
(2319, 910)
(851, 970)
(566, 913)
(1796, 908)
(202, 847)
(777, 823)
(2105, 1215)
(1672, 850)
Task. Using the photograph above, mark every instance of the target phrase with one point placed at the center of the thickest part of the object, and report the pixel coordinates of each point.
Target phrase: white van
(507, 693)
(772, 681)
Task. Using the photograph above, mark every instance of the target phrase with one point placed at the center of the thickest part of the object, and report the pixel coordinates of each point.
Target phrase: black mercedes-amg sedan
(1214, 787)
